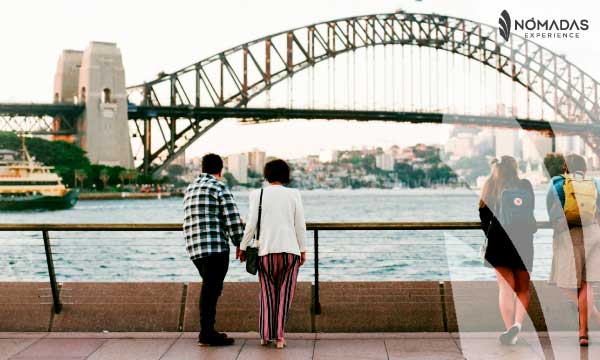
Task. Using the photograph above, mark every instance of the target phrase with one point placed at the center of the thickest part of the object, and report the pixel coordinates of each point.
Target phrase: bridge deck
(183, 346)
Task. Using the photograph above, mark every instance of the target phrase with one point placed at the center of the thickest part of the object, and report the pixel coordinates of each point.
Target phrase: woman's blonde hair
(504, 171)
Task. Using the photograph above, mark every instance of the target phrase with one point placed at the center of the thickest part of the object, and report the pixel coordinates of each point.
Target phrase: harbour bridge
(398, 67)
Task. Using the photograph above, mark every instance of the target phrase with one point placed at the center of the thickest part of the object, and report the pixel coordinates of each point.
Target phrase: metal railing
(315, 228)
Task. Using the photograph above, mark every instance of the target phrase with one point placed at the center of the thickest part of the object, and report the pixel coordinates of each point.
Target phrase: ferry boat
(28, 185)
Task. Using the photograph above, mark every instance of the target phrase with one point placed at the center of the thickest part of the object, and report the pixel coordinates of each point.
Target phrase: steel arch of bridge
(567, 89)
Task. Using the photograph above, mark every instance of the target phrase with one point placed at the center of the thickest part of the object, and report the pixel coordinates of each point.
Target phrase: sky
(159, 36)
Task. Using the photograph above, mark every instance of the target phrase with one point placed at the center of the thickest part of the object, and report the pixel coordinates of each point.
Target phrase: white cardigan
(282, 228)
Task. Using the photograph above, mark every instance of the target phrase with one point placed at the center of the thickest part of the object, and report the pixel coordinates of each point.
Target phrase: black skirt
(513, 252)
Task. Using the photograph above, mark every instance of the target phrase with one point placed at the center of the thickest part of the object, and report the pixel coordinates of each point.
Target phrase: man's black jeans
(212, 269)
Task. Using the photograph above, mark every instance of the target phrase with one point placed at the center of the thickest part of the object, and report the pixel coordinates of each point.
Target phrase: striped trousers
(277, 274)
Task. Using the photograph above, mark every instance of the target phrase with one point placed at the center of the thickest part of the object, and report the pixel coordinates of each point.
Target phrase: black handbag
(252, 252)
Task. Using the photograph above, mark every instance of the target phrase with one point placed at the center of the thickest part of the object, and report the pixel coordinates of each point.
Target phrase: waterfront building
(326, 156)
(506, 142)
(237, 165)
(256, 160)
(385, 161)
(535, 147)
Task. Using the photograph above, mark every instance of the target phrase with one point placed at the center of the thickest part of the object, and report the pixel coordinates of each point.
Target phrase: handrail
(314, 227)
(456, 225)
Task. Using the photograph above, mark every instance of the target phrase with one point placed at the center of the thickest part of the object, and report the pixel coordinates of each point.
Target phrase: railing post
(53, 285)
(317, 302)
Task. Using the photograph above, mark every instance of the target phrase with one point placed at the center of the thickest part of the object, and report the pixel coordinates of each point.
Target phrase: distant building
(326, 156)
(535, 147)
(237, 165)
(506, 142)
(385, 161)
(256, 160)
(461, 145)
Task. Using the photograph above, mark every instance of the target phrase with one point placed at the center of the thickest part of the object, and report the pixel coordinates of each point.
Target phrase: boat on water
(28, 185)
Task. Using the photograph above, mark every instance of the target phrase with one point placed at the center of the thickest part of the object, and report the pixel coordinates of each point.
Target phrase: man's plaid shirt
(211, 218)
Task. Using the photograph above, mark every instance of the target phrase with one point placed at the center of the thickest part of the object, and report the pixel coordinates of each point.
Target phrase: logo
(543, 28)
(518, 201)
(505, 25)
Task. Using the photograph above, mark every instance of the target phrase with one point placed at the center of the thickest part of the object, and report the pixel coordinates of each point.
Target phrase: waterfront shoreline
(126, 196)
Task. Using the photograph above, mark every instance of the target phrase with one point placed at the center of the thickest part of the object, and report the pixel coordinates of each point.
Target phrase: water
(344, 255)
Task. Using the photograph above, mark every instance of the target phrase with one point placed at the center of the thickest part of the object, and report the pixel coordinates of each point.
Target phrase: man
(211, 221)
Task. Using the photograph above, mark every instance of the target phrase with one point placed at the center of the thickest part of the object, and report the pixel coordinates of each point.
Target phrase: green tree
(104, 177)
(80, 176)
(175, 171)
(230, 180)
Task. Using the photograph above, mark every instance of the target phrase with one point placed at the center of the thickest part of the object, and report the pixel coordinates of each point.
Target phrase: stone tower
(66, 79)
(103, 129)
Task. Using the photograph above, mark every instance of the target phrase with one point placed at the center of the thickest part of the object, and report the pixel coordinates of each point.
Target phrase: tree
(123, 176)
(80, 176)
(230, 180)
(132, 176)
(175, 171)
(104, 177)
(554, 164)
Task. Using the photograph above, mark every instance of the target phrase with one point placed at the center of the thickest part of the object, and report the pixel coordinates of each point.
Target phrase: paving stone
(443, 349)
(185, 349)
(295, 350)
(10, 347)
(60, 349)
(354, 349)
(132, 349)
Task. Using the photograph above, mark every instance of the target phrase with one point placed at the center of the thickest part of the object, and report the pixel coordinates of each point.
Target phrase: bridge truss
(235, 76)
(40, 119)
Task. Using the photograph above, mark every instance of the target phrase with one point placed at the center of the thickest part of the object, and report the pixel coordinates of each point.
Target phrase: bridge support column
(105, 131)
(99, 83)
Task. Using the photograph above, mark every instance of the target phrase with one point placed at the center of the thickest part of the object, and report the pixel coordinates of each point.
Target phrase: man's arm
(233, 222)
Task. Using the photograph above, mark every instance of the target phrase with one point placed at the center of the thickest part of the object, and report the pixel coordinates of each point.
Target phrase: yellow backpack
(580, 199)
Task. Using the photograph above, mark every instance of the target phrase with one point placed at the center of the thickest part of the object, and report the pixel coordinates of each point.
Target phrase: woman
(506, 213)
(281, 248)
(576, 247)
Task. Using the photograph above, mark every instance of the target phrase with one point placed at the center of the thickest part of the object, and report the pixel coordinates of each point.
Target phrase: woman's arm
(251, 221)
(300, 224)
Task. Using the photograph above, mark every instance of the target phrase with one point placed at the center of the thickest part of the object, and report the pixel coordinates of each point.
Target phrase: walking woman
(573, 204)
(506, 212)
(281, 249)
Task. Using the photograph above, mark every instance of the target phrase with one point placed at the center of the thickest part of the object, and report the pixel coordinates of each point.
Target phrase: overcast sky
(159, 36)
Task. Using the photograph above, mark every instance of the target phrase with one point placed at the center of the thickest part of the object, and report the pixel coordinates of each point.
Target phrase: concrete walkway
(181, 346)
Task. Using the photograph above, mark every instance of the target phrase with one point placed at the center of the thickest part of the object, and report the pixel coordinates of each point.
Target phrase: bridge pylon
(96, 78)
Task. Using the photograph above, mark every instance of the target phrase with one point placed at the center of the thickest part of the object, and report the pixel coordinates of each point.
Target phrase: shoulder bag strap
(259, 218)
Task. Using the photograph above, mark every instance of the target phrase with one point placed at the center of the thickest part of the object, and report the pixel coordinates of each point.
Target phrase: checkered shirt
(211, 218)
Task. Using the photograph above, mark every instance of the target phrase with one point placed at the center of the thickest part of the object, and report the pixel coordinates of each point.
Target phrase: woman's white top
(282, 227)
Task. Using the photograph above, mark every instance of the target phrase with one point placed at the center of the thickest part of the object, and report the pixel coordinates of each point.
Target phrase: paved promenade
(181, 346)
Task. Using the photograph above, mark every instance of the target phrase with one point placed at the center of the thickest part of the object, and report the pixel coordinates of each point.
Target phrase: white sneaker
(510, 336)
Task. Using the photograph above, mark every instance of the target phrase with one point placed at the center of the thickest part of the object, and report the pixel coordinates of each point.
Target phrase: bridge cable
(348, 82)
(393, 77)
(411, 87)
(420, 61)
(374, 77)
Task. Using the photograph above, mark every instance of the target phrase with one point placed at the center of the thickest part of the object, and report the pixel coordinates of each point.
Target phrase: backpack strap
(259, 218)
(558, 183)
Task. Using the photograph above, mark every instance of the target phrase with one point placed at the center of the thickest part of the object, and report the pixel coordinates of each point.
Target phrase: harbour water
(344, 255)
